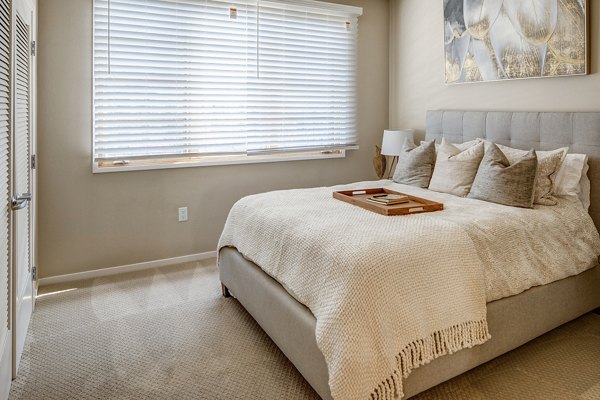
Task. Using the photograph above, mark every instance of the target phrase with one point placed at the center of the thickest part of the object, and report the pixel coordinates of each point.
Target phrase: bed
(511, 321)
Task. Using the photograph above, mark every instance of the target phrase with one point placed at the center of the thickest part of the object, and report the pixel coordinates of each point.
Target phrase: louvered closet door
(5, 132)
(22, 188)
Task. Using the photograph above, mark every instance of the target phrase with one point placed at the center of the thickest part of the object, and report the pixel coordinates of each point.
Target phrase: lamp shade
(394, 140)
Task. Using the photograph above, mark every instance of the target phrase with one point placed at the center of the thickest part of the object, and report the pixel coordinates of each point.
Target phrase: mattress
(555, 242)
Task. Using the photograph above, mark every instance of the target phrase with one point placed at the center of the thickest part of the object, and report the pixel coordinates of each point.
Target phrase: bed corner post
(224, 291)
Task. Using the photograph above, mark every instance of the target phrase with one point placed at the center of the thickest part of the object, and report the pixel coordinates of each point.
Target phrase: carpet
(168, 334)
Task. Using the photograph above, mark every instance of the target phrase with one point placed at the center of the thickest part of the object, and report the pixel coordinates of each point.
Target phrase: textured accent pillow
(499, 181)
(415, 164)
(549, 162)
(455, 169)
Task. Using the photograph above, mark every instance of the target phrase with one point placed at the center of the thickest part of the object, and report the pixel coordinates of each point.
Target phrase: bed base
(512, 321)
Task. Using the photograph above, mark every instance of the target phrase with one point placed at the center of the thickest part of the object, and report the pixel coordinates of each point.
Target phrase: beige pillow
(549, 163)
(415, 164)
(461, 146)
(499, 181)
(455, 170)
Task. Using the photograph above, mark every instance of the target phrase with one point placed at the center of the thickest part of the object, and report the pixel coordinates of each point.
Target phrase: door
(22, 181)
(5, 212)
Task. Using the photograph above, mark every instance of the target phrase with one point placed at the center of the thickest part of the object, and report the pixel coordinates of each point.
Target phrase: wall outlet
(183, 214)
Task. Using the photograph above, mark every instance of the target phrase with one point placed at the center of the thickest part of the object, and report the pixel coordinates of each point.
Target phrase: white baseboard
(5, 364)
(125, 268)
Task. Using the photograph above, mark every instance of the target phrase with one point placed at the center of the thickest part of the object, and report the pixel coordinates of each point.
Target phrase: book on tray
(389, 199)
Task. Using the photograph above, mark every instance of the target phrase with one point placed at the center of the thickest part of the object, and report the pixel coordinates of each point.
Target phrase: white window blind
(210, 77)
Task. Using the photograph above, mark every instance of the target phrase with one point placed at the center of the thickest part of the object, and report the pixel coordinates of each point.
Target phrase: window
(200, 81)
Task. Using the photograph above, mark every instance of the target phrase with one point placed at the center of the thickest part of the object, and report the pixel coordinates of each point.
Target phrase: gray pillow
(499, 181)
(415, 164)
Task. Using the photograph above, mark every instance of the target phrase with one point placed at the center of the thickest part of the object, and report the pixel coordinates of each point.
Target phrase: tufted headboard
(526, 130)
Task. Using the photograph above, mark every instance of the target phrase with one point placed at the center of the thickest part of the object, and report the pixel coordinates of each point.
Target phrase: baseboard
(125, 268)
(5, 365)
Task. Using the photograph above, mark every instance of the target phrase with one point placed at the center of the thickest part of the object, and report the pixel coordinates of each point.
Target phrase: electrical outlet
(183, 214)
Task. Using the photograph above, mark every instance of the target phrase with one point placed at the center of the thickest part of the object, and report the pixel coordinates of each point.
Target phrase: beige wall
(89, 221)
(417, 73)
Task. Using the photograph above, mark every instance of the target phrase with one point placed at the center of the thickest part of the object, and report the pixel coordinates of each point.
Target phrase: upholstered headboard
(525, 130)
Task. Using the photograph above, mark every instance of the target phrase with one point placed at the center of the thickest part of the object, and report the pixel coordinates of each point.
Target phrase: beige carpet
(168, 334)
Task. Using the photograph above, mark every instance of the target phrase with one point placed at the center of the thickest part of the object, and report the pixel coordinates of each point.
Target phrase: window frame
(211, 161)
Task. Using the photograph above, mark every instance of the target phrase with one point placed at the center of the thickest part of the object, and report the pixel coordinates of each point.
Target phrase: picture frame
(495, 40)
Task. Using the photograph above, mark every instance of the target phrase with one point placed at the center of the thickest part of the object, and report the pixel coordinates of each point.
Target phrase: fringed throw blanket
(388, 293)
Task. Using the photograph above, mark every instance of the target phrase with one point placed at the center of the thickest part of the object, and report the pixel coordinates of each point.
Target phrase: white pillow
(454, 169)
(584, 196)
(572, 178)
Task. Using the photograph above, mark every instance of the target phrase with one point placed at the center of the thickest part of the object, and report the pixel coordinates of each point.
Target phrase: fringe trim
(423, 351)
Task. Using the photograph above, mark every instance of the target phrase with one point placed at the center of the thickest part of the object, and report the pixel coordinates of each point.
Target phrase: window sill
(207, 161)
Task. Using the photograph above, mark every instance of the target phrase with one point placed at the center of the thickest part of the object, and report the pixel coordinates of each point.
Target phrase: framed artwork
(491, 40)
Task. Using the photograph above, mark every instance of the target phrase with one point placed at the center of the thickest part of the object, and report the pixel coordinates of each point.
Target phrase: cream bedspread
(392, 293)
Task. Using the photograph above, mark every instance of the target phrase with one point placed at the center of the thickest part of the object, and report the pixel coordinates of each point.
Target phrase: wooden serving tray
(415, 205)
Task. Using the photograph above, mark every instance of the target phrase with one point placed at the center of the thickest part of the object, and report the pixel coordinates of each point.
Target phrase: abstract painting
(490, 40)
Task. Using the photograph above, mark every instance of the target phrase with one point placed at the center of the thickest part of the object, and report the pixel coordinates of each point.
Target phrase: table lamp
(393, 142)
